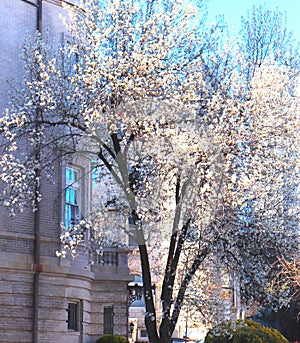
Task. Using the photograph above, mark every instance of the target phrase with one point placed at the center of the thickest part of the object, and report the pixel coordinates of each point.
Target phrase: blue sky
(234, 9)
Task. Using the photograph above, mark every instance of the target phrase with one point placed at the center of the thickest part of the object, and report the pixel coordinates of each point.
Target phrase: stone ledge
(15, 235)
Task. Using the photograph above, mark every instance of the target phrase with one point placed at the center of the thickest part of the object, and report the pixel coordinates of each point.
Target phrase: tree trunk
(150, 316)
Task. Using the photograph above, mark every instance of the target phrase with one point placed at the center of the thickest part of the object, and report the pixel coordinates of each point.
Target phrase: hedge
(243, 332)
(112, 339)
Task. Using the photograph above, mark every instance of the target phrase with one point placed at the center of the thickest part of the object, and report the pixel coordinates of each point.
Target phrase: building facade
(44, 298)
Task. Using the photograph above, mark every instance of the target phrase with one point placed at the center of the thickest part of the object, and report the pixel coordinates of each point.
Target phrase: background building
(44, 298)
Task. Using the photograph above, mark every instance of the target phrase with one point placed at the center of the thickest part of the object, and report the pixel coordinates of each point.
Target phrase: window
(72, 197)
(143, 333)
(108, 320)
(192, 234)
(73, 316)
(132, 240)
(104, 187)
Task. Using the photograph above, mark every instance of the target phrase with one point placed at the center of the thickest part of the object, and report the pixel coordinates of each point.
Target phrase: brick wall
(16, 19)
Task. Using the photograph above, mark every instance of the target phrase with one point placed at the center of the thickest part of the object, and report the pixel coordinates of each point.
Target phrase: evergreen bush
(243, 332)
(112, 339)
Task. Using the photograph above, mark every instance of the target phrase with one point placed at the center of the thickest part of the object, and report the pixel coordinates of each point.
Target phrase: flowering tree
(206, 169)
(263, 34)
(264, 37)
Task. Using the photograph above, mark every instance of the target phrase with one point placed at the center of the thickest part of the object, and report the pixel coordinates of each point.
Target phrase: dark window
(132, 241)
(144, 333)
(73, 316)
(108, 320)
(192, 234)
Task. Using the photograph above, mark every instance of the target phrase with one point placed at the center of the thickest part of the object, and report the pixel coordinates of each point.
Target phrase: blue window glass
(72, 212)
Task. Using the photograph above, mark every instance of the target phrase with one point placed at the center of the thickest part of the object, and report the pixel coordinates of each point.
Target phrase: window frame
(73, 320)
(143, 333)
(73, 195)
(132, 241)
(108, 320)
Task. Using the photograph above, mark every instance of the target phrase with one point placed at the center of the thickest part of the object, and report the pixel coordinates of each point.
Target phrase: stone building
(44, 298)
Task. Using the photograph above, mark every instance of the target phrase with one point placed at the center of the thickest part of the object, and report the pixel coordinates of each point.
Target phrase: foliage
(285, 320)
(243, 332)
(263, 34)
(207, 167)
(288, 274)
(111, 339)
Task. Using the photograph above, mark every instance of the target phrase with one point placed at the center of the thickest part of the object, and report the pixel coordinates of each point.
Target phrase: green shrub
(222, 333)
(243, 332)
(112, 339)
